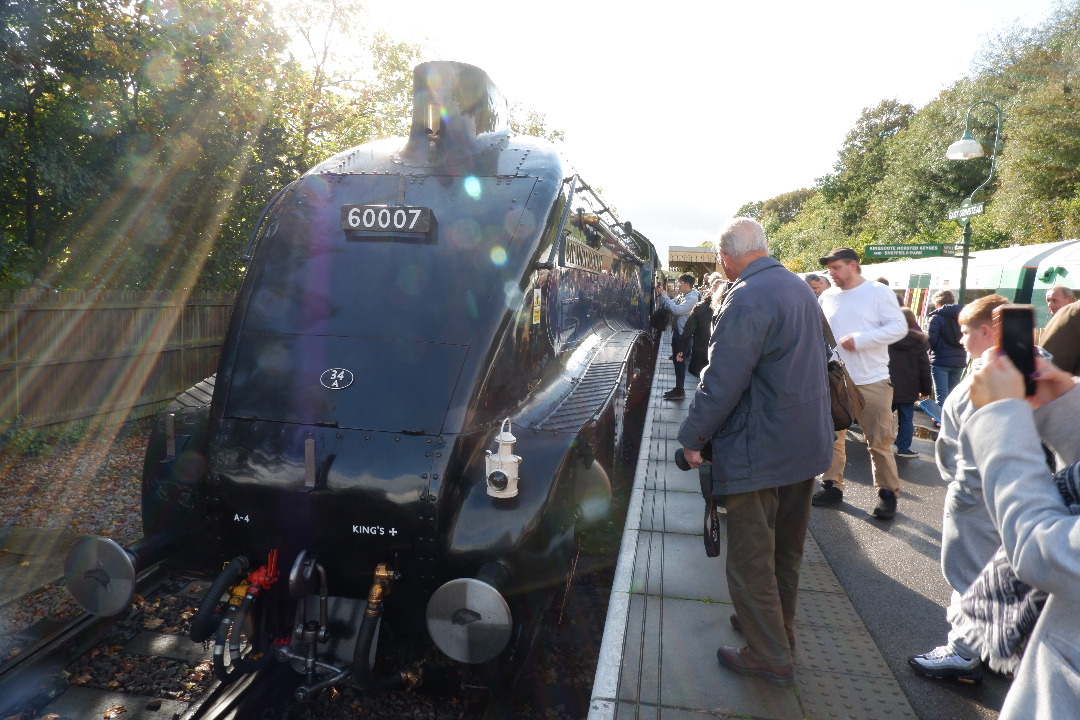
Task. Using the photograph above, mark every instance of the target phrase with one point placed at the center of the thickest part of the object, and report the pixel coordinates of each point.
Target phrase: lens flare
(410, 279)
(521, 225)
(513, 294)
(498, 255)
(465, 234)
(472, 187)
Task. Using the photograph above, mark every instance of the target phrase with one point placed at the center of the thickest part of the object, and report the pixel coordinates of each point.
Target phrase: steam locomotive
(422, 395)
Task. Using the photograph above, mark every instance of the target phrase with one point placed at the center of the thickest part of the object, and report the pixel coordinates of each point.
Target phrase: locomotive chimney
(457, 112)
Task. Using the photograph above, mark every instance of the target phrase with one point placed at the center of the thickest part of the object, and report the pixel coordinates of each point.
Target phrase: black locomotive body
(406, 307)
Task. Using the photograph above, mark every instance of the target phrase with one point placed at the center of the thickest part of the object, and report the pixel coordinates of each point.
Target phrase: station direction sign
(920, 250)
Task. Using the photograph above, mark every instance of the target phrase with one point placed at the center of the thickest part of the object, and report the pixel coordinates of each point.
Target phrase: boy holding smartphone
(968, 536)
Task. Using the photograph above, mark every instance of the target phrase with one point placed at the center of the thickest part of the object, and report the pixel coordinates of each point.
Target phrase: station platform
(669, 611)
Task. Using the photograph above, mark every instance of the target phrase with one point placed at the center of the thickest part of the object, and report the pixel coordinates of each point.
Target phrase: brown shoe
(739, 660)
(737, 624)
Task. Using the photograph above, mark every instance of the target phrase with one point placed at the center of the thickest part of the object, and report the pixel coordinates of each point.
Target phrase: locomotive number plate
(385, 219)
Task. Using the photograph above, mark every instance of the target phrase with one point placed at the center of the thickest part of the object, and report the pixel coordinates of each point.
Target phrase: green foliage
(17, 439)
(863, 162)
(811, 234)
(750, 210)
(527, 120)
(892, 183)
(140, 142)
(74, 434)
(783, 208)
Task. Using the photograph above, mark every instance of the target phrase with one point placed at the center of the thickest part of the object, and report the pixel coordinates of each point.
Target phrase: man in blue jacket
(763, 405)
(947, 356)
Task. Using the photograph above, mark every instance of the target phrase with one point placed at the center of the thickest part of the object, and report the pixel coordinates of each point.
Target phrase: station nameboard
(911, 251)
(965, 211)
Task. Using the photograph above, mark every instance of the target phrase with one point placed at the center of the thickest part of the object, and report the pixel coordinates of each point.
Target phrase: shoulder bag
(845, 399)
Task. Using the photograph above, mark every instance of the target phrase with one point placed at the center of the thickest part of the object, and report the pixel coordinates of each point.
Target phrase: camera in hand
(1014, 330)
(680, 457)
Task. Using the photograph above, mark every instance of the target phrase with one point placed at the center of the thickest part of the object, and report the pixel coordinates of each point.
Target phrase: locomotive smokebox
(457, 112)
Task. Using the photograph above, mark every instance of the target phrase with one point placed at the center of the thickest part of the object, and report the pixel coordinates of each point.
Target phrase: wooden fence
(103, 357)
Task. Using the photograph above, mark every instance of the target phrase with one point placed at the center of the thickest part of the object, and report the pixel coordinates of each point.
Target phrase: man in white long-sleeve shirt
(865, 319)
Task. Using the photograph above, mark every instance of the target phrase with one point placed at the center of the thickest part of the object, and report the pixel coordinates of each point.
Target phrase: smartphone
(1014, 330)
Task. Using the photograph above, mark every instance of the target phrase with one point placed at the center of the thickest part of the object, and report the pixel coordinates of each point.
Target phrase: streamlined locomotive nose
(401, 305)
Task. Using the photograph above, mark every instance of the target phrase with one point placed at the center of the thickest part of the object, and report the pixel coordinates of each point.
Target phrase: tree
(1038, 193)
(139, 142)
(783, 208)
(46, 156)
(527, 120)
(750, 210)
(861, 164)
(810, 235)
(348, 85)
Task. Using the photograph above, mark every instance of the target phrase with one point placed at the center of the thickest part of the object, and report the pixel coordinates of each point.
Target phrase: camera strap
(712, 528)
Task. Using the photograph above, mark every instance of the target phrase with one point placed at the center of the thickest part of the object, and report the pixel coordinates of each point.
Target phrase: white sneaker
(942, 663)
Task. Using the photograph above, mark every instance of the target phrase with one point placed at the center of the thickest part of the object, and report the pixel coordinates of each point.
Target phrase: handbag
(660, 318)
(845, 399)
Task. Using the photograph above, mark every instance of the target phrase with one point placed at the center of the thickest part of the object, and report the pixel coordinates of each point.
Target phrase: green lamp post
(966, 148)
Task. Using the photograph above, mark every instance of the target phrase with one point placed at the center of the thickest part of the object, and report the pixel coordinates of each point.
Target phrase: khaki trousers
(766, 530)
(876, 421)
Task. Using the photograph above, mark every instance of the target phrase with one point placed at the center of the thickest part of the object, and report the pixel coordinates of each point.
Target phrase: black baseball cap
(840, 253)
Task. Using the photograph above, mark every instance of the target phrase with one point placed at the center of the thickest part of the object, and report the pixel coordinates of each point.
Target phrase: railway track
(141, 664)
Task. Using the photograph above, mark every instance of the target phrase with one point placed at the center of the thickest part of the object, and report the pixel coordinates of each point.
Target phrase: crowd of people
(761, 411)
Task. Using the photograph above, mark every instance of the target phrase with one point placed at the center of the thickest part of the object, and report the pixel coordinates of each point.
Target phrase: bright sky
(683, 111)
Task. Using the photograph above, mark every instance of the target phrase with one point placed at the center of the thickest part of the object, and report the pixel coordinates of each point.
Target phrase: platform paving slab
(670, 606)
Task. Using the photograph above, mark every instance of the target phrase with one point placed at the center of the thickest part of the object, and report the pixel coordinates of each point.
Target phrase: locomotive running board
(593, 389)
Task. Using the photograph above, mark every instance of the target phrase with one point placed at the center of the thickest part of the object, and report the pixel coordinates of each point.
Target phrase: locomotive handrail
(615, 241)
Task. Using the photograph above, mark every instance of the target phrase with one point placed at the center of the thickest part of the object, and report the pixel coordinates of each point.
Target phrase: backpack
(660, 318)
(950, 333)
